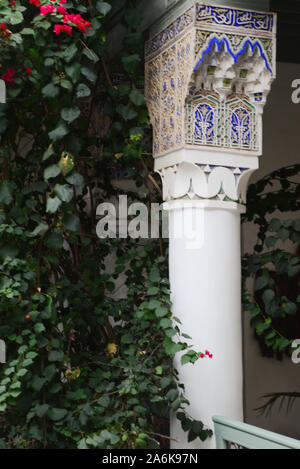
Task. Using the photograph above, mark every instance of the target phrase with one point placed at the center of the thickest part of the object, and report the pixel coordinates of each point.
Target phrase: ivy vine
(273, 205)
(86, 367)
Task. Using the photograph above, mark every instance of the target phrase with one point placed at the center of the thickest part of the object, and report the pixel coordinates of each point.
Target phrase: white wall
(281, 148)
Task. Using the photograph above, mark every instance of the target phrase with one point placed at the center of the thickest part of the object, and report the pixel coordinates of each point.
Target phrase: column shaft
(206, 295)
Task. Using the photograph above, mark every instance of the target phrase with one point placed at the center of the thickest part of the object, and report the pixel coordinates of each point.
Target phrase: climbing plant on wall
(85, 368)
(274, 266)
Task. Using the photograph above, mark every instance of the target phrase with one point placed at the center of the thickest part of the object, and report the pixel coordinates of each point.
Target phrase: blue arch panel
(219, 43)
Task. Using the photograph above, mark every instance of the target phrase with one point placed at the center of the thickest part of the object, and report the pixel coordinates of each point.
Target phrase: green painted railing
(236, 435)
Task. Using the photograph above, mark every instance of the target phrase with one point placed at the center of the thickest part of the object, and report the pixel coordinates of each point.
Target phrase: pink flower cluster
(45, 9)
(59, 28)
(78, 21)
(75, 20)
(206, 354)
(9, 76)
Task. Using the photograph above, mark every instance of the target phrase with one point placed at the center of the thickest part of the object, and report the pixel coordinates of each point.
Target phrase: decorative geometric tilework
(241, 129)
(164, 38)
(226, 53)
(203, 121)
(204, 130)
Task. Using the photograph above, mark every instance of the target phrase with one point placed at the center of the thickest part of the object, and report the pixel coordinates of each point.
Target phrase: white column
(208, 73)
(206, 294)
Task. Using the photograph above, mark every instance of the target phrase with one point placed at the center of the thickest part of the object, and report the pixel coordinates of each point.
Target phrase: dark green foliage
(274, 305)
(84, 368)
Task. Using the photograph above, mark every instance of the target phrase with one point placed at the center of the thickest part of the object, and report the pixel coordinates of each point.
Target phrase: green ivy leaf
(37, 383)
(161, 311)
(268, 296)
(165, 323)
(171, 347)
(261, 282)
(83, 91)
(73, 71)
(49, 152)
(59, 132)
(131, 63)
(290, 308)
(137, 98)
(54, 241)
(152, 291)
(53, 204)
(66, 84)
(50, 91)
(51, 172)
(64, 192)
(39, 327)
(103, 7)
(7, 189)
(57, 414)
(75, 179)
(70, 114)
(89, 74)
(71, 222)
(41, 409)
(70, 52)
(42, 227)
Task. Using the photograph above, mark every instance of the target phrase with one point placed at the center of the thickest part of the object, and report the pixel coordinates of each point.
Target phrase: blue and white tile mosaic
(207, 78)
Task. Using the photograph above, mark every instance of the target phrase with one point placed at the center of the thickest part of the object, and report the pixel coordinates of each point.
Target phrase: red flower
(28, 70)
(62, 10)
(35, 2)
(9, 76)
(3, 26)
(78, 21)
(202, 355)
(62, 2)
(45, 9)
(59, 28)
(13, 3)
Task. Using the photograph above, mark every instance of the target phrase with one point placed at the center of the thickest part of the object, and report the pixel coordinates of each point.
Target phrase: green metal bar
(248, 436)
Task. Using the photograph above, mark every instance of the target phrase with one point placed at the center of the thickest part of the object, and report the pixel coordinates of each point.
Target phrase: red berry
(3, 26)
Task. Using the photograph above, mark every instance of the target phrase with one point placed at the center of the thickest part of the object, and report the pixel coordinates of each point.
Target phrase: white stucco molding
(203, 204)
(200, 181)
(190, 174)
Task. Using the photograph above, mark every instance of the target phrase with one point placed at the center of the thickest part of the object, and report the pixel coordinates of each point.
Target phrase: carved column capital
(199, 181)
(208, 75)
